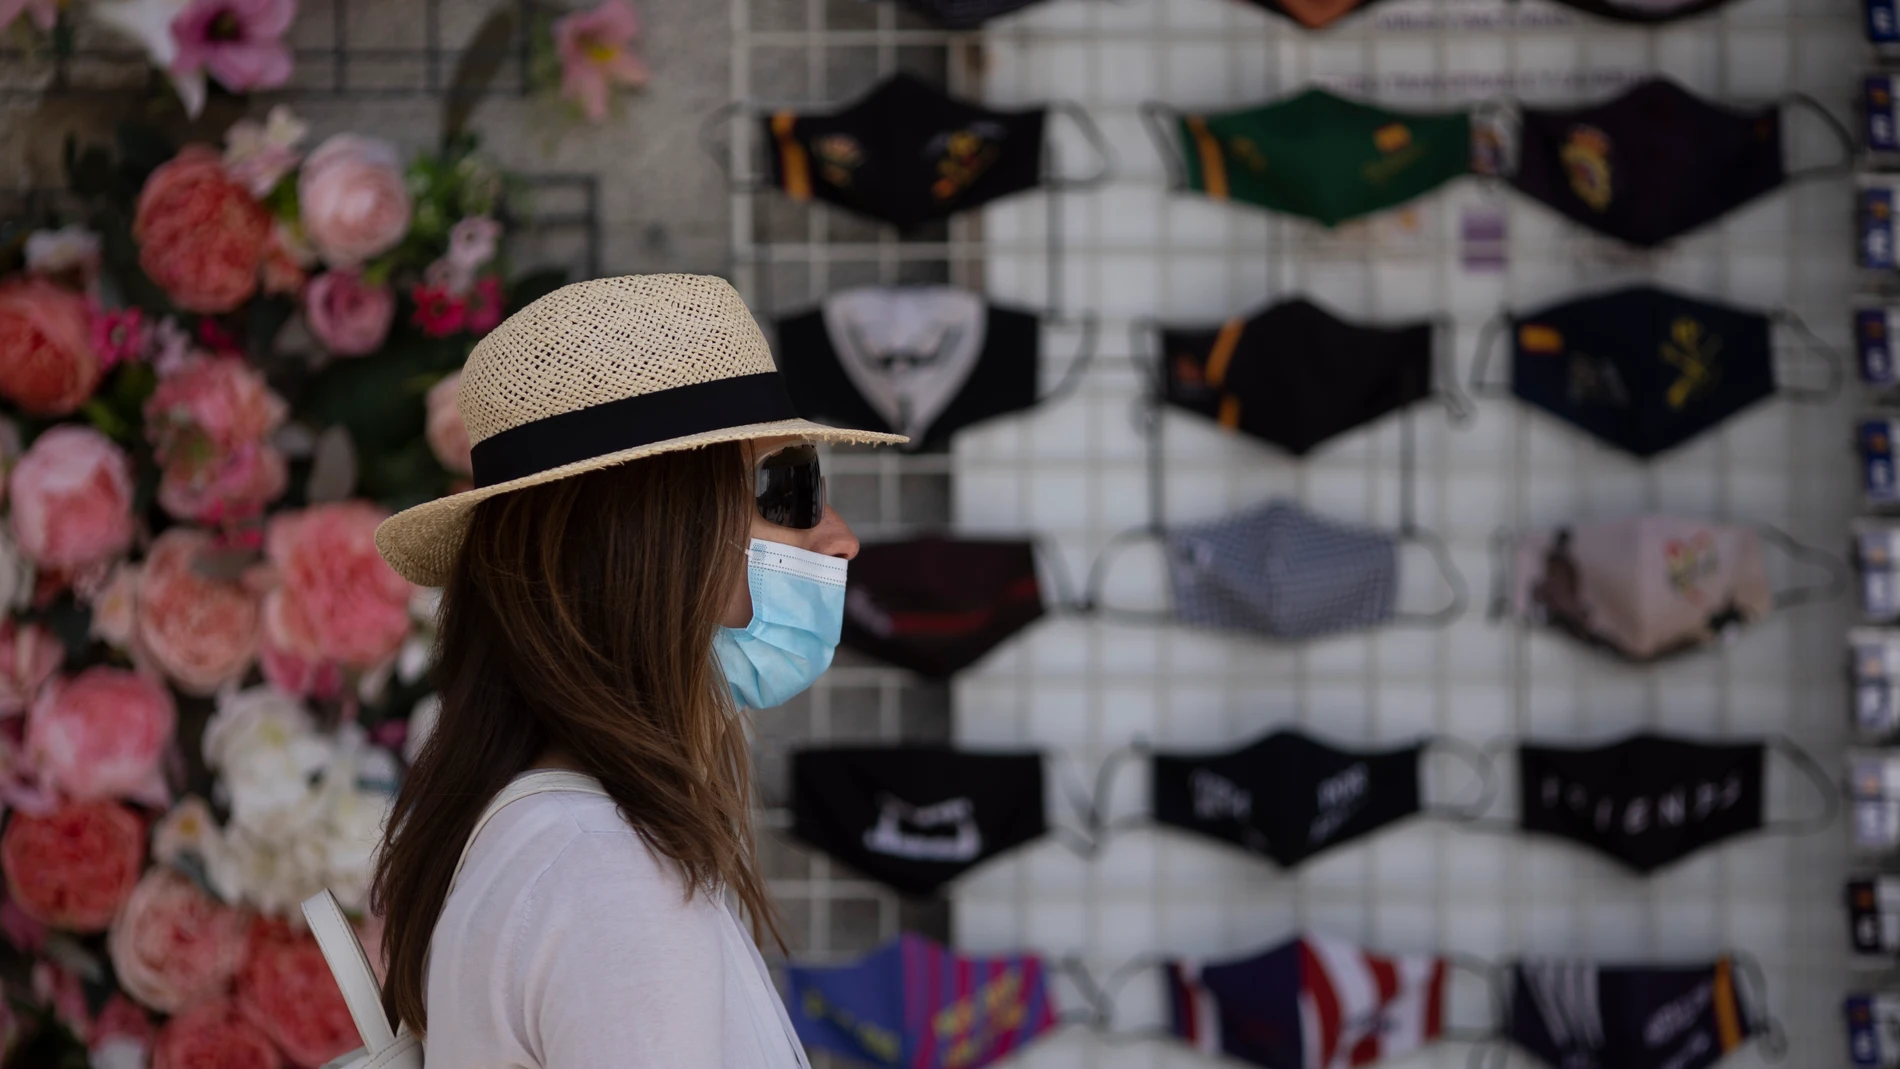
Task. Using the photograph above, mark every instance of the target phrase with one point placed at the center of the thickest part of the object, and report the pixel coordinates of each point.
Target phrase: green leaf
(486, 53)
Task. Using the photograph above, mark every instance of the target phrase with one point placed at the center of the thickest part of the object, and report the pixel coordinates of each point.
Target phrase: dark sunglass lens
(791, 490)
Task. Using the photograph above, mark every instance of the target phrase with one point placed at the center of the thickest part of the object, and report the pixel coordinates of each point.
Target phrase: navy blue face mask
(1642, 368)
(1579, 1015)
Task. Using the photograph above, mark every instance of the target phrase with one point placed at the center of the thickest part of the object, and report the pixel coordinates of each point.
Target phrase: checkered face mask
(1283, 572)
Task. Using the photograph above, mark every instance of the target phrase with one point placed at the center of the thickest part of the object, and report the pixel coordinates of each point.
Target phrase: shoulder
(566, 847)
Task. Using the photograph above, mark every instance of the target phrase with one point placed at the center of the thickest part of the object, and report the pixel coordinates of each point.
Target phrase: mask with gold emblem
(1316, 154)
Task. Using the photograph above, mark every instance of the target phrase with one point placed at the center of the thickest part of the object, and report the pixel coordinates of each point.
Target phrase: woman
(646, 549)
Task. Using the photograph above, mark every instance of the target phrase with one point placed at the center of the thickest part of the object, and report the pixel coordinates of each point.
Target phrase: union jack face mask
(1314, 1003)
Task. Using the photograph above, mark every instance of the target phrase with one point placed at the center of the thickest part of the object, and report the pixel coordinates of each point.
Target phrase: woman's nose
(832, 537)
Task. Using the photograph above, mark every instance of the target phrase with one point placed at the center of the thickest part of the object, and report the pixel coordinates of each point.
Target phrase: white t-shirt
(567, 944)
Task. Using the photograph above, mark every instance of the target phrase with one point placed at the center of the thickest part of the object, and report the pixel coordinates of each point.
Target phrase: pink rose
(121, 1024)
(100, 735)
(294, 675)
(173, 945)
(213, 1035)
(354, 203)
(350, 317)
(286, 990)
(201, 632)
(29, 655)
(200, 233)
(48, 365)
(221, 399)
(224, 488)
(72, 499)
(336, 599)
(73, 867)
(115, 607)
(448, 436)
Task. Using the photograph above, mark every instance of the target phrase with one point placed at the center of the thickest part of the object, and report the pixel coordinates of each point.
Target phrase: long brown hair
(579, 617)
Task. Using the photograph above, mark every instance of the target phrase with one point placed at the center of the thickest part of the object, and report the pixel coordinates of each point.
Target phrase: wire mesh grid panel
(1136, 251)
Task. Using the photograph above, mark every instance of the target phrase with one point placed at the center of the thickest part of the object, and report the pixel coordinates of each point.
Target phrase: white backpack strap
(350, 966)
(540, 782)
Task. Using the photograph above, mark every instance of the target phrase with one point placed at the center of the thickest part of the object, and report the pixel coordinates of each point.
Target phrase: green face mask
(1322, 156)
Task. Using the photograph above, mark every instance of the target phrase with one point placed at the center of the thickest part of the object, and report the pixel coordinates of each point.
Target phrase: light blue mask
(797, 613)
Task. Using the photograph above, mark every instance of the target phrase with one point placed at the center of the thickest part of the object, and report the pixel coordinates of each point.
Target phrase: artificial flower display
(206, 669)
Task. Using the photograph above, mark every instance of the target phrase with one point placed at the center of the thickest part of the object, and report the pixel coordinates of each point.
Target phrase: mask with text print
(1579, 1015)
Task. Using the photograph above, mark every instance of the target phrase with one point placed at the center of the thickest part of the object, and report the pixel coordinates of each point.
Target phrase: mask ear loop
(1156, 118)
(1502, 542)
(1148, 413)
(1498, 1041)
(1410, 531)
(1100, 827)
(1067, 600)
(1104, 154)
(1837, 575)
(1475, 818)
(1829, 357)
(1488, 973)
(1487, 337)
(709, 143)
(1095, 1018)
(1071, 379)
(1845, 165)
(1824, 784)
(1111, 990)
(1082, 844)
(1458, 407)
(1751, 990)
(1487, 778)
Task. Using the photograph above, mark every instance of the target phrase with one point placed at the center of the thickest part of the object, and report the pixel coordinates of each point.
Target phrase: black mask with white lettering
(1579, 1015)
(916, 817)
(923, 361)
(1650, 800)
(1286, 796)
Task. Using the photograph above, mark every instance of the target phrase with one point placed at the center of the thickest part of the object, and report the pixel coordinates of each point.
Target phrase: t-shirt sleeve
(621, 970)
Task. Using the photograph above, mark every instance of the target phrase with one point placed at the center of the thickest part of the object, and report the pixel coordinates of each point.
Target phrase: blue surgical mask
(797, 612)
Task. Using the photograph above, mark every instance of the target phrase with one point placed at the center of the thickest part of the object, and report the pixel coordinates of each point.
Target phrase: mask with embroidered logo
(934, 359)
(1294, 375)
(1289, 797)
(1646, 587)
(1580, 1015)
(1644, 369)
(913, 1002)
(1315, 154)
(1655, 162)
(916, 817)
(1650, 800)
(906, 153)
(937, 605)
(1316, 1001)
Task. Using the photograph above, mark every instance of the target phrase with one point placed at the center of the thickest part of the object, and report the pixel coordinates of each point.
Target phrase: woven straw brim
(421, 542)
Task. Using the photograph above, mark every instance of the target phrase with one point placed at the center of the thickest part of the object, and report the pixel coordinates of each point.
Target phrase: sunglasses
(789, 488)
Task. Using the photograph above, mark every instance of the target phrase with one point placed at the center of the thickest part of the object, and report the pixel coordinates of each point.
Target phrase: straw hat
(599, 373)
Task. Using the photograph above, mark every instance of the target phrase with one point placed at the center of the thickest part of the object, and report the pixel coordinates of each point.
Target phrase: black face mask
(936, 605)
(965, 14)
(1649, 800)
(1644, 11)
(906, 153)
(923, 361)
(1294, 375)
(1287, 797)
(1314, 14)
(916, 817)
(1577, 1015)
(1641, 368)
(1651, 164)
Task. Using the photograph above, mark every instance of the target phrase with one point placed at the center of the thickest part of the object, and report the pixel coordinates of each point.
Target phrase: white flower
(421, 725)
(117, 1052)
(270, 755)
(149, 22)
(70, 248)
(261, 154)
(187, 829)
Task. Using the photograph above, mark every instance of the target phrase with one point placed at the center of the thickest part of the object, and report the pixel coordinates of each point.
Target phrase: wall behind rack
(1134, 251)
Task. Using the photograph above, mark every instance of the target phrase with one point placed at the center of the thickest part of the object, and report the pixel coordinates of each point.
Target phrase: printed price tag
(1877, 98)
(1876, 225)
(1876, 454)
(1873, 334)
(1883, 21)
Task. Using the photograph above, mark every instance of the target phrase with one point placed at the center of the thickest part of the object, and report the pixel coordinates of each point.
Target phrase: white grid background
(1074, 470)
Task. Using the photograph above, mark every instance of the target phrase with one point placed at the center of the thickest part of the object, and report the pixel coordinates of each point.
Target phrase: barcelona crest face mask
(1316, 154)
(906, 153)
(1654, 163)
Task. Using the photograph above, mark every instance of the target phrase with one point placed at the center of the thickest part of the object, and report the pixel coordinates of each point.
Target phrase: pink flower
(201, 632)
(287, 991)
(213, 1035)
(173, 945)
(353, 199)
(115, 607)
(200, 233)
(297, 676)
(123, 1025)
(595, 54)
(336, 599)
(118, 335)
(472, 243)
(100, 735)
(349, 316)
(72, 499)
(439, 312)
(29, 655)
(224, 400)
(447, 435)
(484, 305)
(45, 14)
(226, 488)
(47, 362)
(238, 41)
(286, 260)
(73, 867)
